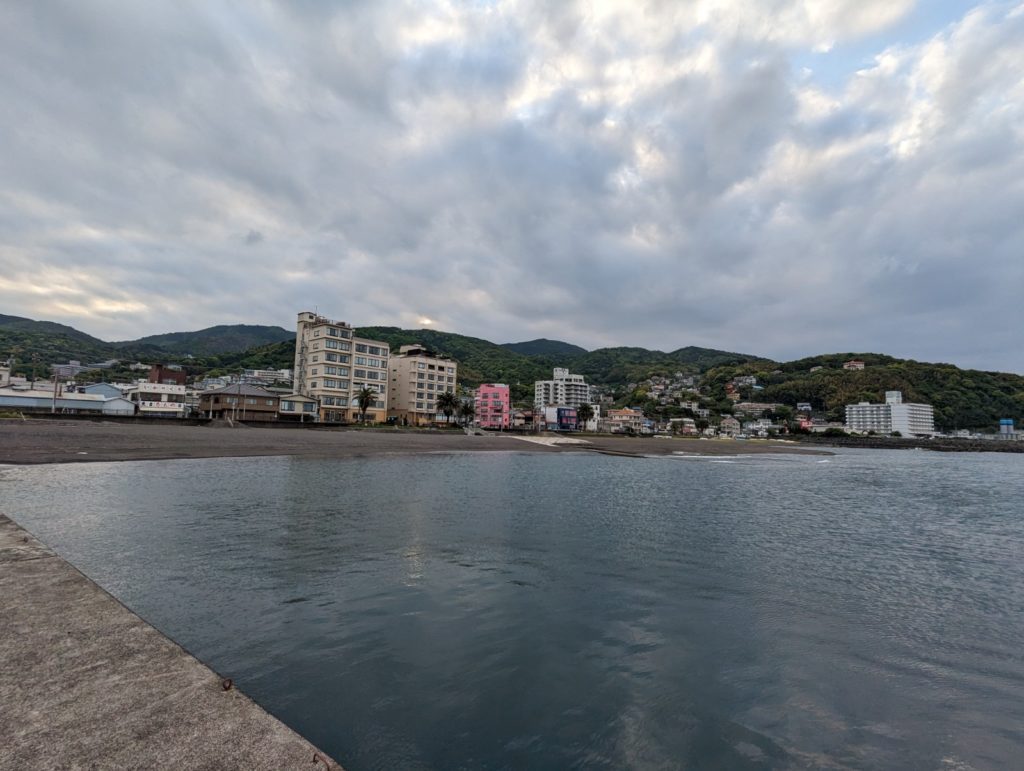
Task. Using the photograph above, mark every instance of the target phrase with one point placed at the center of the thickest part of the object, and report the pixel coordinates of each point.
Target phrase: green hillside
(961, 398)
(618, 366)
(550, 349)
(223, 338)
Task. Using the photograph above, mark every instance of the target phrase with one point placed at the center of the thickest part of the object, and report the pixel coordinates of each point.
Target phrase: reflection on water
(557, 611)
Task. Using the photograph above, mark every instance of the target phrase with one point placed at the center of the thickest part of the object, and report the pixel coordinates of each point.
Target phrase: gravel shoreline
(38, 441)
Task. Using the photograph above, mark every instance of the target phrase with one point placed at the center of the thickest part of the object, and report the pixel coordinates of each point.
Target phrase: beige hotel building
(418, 375)
(333, 366)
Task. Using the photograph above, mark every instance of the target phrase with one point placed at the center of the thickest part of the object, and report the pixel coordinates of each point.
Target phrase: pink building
(493, 404)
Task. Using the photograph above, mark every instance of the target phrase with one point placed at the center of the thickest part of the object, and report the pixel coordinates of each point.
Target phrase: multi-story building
(160, 400)
(418, 377)
(241, 401)
(852, 364)
(564, 389)
(894, 416)
(624, 421)
(493, 406)
(332, 365)
(560, 418)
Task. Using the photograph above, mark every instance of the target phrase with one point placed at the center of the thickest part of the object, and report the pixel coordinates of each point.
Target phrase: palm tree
(447, 403)
(467, 412)
(583, 413)
(366, 398)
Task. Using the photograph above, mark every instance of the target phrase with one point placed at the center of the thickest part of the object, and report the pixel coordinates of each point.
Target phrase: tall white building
(332, 365)
(894, 416)
(564, 390)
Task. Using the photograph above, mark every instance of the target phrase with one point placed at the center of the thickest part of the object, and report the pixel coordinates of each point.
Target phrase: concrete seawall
(87, 684)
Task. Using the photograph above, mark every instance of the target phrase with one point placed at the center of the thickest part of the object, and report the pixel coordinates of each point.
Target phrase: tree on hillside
(366, 398)
(583, 413)
(447, 403)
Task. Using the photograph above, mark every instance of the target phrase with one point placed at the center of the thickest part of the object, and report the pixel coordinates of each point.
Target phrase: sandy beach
(38, 441)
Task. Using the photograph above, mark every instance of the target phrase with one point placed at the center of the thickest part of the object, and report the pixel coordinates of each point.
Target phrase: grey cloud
(513, 174)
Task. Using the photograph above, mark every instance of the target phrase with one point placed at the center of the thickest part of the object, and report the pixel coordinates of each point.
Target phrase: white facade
(895, 415)
(158, 399)
(564, 390)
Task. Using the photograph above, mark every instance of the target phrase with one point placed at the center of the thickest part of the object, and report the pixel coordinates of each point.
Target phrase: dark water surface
(579, 611)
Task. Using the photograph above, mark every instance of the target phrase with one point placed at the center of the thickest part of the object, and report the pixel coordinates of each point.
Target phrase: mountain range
(962, 398)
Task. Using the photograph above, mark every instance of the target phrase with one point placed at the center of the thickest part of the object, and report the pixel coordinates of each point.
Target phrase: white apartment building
(894, 416)
(332, 365)
(418, 377)
(564, 390)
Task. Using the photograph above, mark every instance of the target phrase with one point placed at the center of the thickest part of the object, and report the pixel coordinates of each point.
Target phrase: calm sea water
(578, 611)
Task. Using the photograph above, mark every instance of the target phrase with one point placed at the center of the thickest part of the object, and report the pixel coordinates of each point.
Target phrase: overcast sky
(779, 178)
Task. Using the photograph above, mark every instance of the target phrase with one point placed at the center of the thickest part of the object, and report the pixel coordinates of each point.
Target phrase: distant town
(339, 378)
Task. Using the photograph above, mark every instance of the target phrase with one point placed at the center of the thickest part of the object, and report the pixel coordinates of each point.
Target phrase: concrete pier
(87, 684)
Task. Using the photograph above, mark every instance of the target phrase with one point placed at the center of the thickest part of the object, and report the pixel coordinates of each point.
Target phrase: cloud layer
(657, 174)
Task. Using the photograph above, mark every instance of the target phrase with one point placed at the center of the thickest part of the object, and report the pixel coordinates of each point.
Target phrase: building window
(361, 373)
(313, 384)
(329, 357)
(360, 348)
(421, 365)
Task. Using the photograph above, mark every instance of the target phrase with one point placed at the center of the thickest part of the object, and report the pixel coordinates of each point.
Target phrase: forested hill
(223, 338)
(547, 348)
(962, 398)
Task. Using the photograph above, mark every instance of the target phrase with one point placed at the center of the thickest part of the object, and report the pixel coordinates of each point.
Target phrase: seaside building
(895, 415)
(493, 405)
(729, 426)
(624, 421)
(853, 364)
(25, 399)
(158, 400)
(559, 418)
(418, 377)
(332, 365)
(241, 401)
(564, 389)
